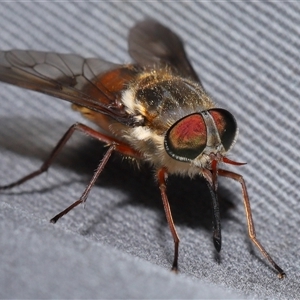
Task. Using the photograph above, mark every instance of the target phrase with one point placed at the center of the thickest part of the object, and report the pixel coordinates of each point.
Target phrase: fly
(154, 110)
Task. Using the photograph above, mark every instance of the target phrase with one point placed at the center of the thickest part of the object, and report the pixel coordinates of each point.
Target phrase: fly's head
(201, 138)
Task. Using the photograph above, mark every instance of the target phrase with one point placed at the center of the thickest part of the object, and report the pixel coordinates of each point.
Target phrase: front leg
(161, 175)
(251, 229)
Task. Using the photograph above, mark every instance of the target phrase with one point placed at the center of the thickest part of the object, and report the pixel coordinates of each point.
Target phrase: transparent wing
(151, 43)
(85, 82)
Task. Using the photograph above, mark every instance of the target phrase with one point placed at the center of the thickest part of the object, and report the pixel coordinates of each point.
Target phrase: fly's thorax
(161, 98)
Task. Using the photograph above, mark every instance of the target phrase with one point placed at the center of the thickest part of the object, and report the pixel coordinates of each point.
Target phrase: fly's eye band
(187, 138)
(226, 126)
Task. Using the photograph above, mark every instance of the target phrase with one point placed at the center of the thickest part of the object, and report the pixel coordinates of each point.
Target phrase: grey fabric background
(247, 55)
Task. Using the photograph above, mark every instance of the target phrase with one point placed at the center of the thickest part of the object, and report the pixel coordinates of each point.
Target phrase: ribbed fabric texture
(247, 56)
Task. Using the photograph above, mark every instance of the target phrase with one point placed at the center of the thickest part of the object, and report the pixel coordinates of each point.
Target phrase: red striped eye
(226, 126)
(186, 139)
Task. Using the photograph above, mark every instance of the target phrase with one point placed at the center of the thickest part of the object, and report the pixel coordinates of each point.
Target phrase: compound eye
(226, 126)
(186, 139)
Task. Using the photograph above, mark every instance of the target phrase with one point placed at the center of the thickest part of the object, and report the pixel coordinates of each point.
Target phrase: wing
(150, 43)
(91, 83)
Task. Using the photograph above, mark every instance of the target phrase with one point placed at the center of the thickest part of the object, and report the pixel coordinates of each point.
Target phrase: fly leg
(114, 146)
(251, 229)
(47, 163)
(161, 175)
(86, 192)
